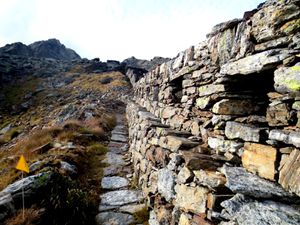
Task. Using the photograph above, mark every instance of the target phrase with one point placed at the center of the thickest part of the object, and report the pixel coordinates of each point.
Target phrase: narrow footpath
(121, 203)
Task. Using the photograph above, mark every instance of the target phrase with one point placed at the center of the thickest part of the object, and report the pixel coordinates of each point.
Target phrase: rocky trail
(121, 202)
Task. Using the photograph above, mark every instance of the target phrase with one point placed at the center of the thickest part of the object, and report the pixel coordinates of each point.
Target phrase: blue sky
(117, 29)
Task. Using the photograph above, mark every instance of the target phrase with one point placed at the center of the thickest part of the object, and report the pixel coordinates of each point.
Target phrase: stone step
(114, 182)
(119, 138)
(118, 147)
(119, 132)
(131, 208)
(120, 128)
(113, 218)
(121, 197)
(115, 159)
(111, 170)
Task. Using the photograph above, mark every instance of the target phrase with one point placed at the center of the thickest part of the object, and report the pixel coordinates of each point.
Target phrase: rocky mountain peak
(17, 48)
(51, 48)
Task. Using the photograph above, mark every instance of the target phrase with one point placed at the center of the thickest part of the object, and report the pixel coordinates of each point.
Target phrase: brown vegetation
(31, 216)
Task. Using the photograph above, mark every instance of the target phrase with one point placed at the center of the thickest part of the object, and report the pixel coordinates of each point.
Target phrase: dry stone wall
(214, 133)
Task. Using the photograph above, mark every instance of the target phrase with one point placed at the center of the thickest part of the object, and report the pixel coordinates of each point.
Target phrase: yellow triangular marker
(22, 165)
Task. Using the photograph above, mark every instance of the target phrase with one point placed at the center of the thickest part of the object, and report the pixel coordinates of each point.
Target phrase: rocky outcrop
(214, 132)
(137, 68)
(51, 48)
(33, 187)
(144, 64)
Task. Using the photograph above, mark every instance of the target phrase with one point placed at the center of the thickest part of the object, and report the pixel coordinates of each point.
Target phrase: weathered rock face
(243, 210)
(221, 119)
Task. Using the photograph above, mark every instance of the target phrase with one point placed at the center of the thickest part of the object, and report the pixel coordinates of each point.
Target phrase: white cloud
(116, 29)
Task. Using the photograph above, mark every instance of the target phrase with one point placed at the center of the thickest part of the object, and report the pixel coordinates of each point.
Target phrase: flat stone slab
(119, 138)
(118, 147)
(113, 158)
(119, 132)
(121, 197)
(119, 128)
(113, 218)
(114, 182)
(103, 208)
(115, 144)
(111, 170)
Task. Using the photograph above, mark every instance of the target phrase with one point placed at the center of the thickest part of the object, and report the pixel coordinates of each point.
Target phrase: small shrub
(72, 125)
(111, 121)
(142, 216)
(2, 141)
(66, 196)
(93, 122)
(97, 149)
(106, 80)
(9, 135)
(66, 136)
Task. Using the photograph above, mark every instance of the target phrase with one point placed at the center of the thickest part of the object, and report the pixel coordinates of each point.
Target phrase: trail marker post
(22, 165)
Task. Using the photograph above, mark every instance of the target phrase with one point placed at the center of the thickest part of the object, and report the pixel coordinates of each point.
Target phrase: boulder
(7, 207)
(32, 185)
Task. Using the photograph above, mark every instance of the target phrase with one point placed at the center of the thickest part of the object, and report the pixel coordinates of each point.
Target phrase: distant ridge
(51, 48)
